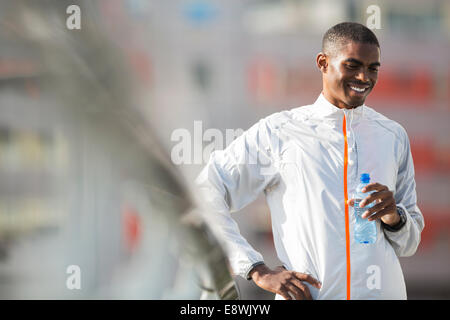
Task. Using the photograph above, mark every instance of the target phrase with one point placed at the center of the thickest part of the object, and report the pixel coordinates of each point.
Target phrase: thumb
(351, 202)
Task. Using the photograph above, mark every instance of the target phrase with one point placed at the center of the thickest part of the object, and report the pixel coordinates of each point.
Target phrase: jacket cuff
(394, 233)
(251, 268)
(403, 219)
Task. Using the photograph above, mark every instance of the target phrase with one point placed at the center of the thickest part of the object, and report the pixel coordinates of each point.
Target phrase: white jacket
(299, 158)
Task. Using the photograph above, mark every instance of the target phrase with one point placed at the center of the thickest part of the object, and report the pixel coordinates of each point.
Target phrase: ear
(322, 62)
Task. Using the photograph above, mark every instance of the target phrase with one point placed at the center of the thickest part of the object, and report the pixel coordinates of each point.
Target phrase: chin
(356, 102)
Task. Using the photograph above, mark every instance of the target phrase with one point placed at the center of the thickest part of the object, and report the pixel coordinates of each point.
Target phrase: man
(308, 161)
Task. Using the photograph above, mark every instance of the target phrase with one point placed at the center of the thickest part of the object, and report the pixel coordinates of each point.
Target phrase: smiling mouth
(359, 88)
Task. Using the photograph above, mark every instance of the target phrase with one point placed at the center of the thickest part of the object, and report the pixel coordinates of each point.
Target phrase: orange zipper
(347, 223)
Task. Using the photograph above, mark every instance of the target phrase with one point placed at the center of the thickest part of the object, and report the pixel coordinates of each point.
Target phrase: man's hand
(286, 283)
(385, 207)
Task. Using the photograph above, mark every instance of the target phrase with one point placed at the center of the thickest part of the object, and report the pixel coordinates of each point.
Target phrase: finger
(378, 207)
(371, 198)
(374, 186)
(296, 291)
(304, 288)
(285, 294)
(385, 211)
(380, 195)
(351, 202)
(309, 279)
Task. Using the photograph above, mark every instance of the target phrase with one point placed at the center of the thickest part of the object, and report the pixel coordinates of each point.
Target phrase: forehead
(364, 52)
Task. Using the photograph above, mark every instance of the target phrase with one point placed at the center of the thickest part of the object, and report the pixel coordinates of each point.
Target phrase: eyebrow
(353, 60)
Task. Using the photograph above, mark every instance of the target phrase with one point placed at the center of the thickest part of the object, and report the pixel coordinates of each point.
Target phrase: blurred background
(103, 129)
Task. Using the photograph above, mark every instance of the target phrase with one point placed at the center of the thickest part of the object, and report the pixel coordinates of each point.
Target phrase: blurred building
(91, 206)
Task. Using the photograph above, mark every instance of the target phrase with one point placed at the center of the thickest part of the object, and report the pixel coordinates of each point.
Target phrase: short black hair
(345, 32)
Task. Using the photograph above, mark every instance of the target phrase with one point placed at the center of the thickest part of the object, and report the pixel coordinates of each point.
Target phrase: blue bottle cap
(365, 178)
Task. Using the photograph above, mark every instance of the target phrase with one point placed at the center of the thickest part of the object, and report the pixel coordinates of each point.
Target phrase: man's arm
(232, 179)
(406, 240)
(402, 232)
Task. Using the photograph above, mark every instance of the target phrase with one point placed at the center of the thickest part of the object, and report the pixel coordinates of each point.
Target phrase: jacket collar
(327, 111)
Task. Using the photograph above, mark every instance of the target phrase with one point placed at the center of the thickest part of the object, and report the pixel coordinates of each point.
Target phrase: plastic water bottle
(365, 230)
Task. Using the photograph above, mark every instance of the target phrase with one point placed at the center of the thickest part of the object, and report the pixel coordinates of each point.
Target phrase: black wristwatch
(400, 224)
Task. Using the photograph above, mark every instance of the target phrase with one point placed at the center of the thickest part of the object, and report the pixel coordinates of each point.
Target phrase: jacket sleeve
(232, 179)
(406, 240)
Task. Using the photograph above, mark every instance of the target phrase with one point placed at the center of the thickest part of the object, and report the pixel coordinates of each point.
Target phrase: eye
(352, 66)
(373, 69)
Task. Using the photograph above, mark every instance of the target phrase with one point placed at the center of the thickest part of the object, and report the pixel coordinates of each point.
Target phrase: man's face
(351, 73)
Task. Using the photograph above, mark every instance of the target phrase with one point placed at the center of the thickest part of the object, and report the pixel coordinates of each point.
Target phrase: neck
(336, 102)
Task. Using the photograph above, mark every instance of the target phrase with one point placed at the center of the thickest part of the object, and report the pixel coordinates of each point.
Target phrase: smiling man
(307, 161)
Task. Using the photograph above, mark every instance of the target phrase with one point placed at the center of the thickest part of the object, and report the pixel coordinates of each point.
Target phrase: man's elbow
(408, 250)
(407, 253)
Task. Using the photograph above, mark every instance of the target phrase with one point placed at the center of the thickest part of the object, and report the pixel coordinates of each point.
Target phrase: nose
(362, 76)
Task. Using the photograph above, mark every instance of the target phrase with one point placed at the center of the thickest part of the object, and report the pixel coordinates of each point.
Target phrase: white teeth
(358, 89)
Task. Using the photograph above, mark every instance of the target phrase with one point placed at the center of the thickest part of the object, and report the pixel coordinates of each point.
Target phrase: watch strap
(400, 224)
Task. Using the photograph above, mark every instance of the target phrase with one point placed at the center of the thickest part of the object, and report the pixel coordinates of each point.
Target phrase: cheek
(342, 76)
(339, 86)
(337, 78)
(374, 79)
